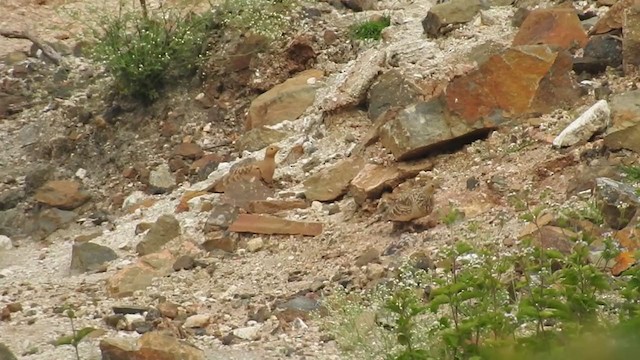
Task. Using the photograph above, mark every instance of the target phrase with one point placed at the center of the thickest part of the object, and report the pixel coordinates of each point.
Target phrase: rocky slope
(104, 206)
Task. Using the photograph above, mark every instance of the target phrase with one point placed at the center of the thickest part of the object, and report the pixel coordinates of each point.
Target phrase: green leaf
(82, 333)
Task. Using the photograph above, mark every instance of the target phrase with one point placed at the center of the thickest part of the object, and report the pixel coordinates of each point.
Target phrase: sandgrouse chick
(411, 205)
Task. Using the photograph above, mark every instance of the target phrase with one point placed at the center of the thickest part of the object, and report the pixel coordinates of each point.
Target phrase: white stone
(596, 119)
(81, 173)
(248, 333)
(5, 243)
(133, 199)
(197, 321)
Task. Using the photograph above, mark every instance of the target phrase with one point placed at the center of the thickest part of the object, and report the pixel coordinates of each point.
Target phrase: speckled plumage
(263, 169)
(411, 205)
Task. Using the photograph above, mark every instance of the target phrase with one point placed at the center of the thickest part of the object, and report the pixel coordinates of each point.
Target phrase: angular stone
(188, 150)
(368, 256)
(333, 182)
(163, 230)
(391, 89)
(220, 240)
(221, 217)
(617, 201)
(419, 128)
(184, 262)
(10, 198)
(556, 27)
(442, 17)
(624, 132)
(373, 179)
(168, 309)
(255, 244)
(62, 194)
(521, 80)
(241, 193)
(154, 345)
(48, 221)
(286, 101)
(612, 19)
(161, 180)
(141, 274)
(595, 120)
(555, 238)
(258, 138)
(277, 205)
(266, 224)
(602, 51)
(357, 79)
(89, 257)
(631, 39)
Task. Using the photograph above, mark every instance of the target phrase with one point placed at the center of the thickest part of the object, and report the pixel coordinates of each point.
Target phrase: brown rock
(154, 345)
(368, 256)
(286, 101)
(141, 274)
(265, 224)
(624, 132)
(556, 238)
(557, 26)
(631, 39)
(359, 5)
(62, 194)
(391, 89)
(204, 161)
(274, 206)
(294, 154)
(333, 182)
(168, 309)
(258, 138)
(373, 179)
(221, 217)
(617, 202)
(188, 150)
(242, 193)
(129, 172)
(166, 228)
(220, 240)
(444, 16)
(612, 19)
(520, 80)
(176, 164)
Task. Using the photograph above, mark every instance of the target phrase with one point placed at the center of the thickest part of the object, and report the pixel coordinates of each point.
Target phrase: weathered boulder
(631, 39)
(258, 138)
(617, 201)
(89, 257)
(62, 194)
(442, 17)
(141, 274)
(166, 228)
(601, 51)
(520, 80)
(624, 132)
(333, 182)
(391, 89)
(612, 19)
(556, 26)
(286, 101)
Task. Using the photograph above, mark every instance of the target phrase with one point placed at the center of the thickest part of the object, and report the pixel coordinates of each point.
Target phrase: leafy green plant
(453, 215)
(370, 29)
(76, 335)
(144, 49)
(535, 302)
(632, 173)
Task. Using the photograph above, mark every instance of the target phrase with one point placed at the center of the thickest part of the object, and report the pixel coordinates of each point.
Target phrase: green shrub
(371, 29)
(146, 50)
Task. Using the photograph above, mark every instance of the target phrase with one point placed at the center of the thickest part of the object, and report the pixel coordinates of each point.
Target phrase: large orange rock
(521, 80)
(62, 194)
(154, 345)
(558, 26)
(141, 274)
